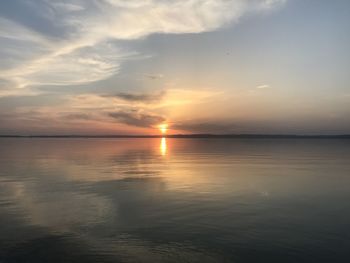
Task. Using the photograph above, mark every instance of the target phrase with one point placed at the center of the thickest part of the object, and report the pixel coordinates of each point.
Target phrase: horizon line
(193, 135)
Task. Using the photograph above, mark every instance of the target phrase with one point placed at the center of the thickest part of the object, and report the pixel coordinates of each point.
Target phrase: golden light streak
(163, 146)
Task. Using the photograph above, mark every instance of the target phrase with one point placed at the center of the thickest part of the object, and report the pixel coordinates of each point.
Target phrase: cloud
(265, 86)
(154, 76)
(137, 97)
(137, 118)
(77, 42)
(67, 7)
(134, 109)
(78, 116)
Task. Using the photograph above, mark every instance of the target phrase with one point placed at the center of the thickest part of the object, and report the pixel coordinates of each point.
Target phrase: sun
(163, 128)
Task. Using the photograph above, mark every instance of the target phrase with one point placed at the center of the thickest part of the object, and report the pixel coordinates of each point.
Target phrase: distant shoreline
(204, 136)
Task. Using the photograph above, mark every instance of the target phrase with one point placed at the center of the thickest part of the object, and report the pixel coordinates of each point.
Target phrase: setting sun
(163, 128)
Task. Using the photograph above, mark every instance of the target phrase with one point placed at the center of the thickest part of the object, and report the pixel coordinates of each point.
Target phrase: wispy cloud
(67, 7)
(264, 86)
(154, 76)
(137, 97)
(70, 43)
(143, 110)
(77, 116)
(85, 46)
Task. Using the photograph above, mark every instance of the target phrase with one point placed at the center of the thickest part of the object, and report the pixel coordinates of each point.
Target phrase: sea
(284, 200)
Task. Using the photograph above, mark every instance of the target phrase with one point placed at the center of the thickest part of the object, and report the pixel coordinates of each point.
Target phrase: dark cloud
(135, 118)
(205, 127)
(137, 97)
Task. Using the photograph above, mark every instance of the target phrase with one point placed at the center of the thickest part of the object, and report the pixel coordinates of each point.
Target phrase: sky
(197, 66)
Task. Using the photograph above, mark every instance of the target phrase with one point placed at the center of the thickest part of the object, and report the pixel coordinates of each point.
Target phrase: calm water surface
(174, 200)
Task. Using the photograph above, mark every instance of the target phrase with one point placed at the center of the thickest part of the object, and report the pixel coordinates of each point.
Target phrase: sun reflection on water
(163, 146)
